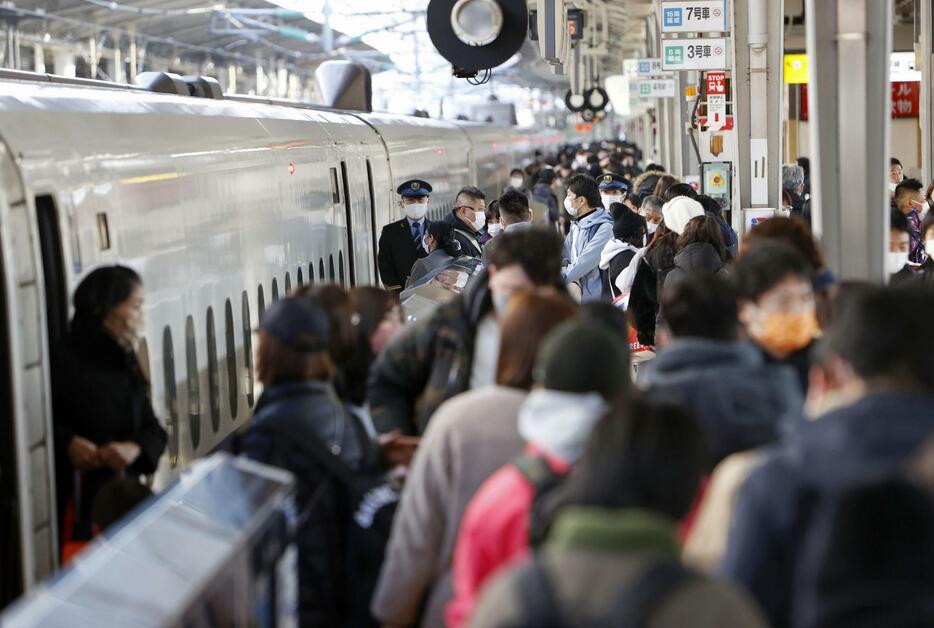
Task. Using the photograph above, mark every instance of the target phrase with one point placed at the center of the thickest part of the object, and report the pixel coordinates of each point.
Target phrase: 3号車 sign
(695, 54)
(694, 16)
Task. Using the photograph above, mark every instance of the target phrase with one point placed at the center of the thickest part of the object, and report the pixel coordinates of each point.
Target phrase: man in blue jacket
(879, 379)
(591, 229)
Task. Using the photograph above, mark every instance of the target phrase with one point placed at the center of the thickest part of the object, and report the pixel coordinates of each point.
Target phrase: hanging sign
(716, 100)
(657, 88)
(650, 67)
(694, 16)
(905, 103)
(631, 68)
(716, 83)
(695, 54)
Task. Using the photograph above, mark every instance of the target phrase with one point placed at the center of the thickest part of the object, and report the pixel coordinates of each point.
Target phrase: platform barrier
(213, 549)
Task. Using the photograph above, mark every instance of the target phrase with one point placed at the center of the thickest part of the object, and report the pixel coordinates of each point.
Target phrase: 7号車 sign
(694, 16)
(695, 54)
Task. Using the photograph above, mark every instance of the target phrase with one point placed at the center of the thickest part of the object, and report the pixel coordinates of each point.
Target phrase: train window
(260, 302)
(288, 283)
(275, 290)
(335, 188)
(103, 231)
(214, 386)
(311, 272)
(231, 346)
(340, 266)
(194, 384)
(247, 350)
(331, 267)
(171, 394)
(321, 269)
(298, 277)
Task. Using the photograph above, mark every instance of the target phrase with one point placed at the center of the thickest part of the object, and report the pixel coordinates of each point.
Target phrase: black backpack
(369, 501)
(544, 479)
(630, 609)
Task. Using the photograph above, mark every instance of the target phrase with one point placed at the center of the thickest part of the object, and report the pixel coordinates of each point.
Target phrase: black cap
(626, 223)
(613, 181)
(299, 323)
(414, 188)
(582, 357)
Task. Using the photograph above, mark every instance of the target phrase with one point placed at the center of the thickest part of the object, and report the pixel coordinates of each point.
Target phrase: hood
(698, 256)
(613, 248)
(597, 217)
(559, 423)
(687, 354)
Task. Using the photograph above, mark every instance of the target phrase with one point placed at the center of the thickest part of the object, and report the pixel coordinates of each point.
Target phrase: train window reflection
(214, 387)
(340, 267)
(230, 345)
(321, 269)
(288, 283)
(311, 272)
(298, 277)
(171, 394)
(260, 302)
(331, 267)
(275, 290)
(194, 383)
(247, 350)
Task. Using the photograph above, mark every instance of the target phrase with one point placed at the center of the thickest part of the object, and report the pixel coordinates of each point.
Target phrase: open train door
(27, 509)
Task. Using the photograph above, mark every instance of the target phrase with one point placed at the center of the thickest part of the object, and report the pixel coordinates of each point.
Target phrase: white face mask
(425, 245)
(516, 182)
(494, 229)
(416, 211)
(892, 187)
(479, 221)
(929, 247)
(652, 227)
(569, 207)
(609, 199)
(896, 261)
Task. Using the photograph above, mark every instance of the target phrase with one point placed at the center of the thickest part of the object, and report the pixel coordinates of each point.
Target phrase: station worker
(400, 243)
(591, 229)
(613, 189)
(469, 219)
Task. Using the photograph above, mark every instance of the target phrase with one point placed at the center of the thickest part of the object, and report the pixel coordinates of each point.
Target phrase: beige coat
(468, 438)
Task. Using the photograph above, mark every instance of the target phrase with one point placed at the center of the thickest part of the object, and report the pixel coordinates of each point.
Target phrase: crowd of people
(503, 462)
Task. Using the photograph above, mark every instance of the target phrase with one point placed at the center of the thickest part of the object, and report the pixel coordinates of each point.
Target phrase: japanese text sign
(695, 54)
(694, 16)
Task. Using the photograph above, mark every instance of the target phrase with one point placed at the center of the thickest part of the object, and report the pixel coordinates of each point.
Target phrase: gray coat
(468, 438)
(427, 267)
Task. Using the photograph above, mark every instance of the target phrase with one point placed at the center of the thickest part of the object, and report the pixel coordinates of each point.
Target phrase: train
(222, 205)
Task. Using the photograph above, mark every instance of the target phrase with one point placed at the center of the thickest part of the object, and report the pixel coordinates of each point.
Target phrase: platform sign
(716, 100)
(631, 68)
(694, 16)
(657, 88)
(695, 54)
(650, 67)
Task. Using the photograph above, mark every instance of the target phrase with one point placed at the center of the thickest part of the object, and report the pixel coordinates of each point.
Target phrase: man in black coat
(400, 243)
(469, 219)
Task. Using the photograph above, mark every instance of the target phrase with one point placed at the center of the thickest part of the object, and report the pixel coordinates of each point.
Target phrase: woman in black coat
(104, 422)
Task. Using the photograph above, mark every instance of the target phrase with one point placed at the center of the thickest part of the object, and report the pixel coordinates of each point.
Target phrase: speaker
(476, 35)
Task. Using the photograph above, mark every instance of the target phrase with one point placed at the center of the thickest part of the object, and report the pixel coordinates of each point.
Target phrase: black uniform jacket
(398, 251)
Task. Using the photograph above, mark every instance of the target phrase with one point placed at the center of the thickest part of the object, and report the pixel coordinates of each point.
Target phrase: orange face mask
(784, 332)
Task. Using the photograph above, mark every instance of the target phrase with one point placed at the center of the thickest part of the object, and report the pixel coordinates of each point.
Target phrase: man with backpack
(591, 229)
(581, 369)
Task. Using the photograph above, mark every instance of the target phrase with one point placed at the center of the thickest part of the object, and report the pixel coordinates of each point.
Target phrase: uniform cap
(679, 211)
(414, 188)
(584, 357)
(299, 323)
(613, 181)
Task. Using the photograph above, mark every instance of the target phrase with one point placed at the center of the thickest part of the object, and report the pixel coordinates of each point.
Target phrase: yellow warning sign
(796, 69)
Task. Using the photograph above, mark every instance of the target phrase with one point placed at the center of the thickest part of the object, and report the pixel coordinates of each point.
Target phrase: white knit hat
(679, 211)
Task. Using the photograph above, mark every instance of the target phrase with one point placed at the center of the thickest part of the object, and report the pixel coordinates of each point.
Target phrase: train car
(222, 206)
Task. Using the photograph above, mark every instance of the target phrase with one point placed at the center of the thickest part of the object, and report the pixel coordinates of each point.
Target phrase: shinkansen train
(223, 206)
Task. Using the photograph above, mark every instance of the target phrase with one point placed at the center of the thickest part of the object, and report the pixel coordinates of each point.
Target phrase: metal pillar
(689, 163)
(926, 58)
(64, 64)
(675, 163)
(661, 119)
(849, 44)
(758, 30)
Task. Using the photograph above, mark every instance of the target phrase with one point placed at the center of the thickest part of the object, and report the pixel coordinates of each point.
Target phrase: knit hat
(583, 357)
(626, 223)
(679, 211)
(299, 323)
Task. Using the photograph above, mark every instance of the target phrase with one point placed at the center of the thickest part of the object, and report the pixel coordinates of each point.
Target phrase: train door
(358, 201)
(26, 486)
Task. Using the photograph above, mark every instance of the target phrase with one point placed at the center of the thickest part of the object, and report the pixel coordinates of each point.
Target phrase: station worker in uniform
(613, 189)
(400, 243)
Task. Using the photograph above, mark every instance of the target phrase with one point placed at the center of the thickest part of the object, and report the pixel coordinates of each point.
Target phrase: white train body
(221, 206)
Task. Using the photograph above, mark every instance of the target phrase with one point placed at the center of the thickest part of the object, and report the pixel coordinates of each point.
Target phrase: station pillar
(926, 59)
(758, 31)
(849, 44)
